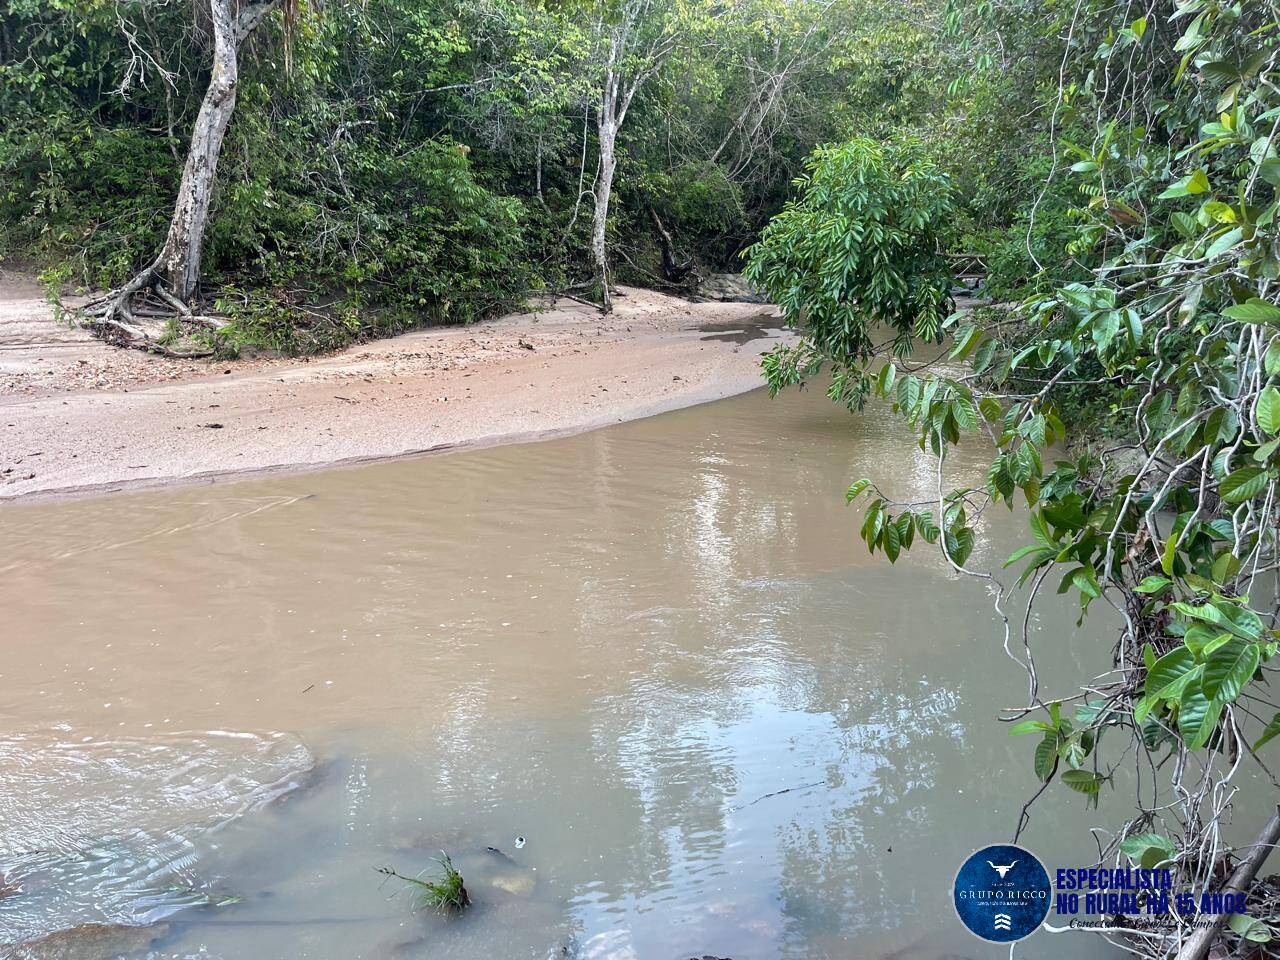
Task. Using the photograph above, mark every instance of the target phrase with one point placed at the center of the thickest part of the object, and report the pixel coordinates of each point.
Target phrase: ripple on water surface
(112, 830)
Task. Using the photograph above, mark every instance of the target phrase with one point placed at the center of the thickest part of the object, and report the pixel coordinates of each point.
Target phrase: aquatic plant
(445, 894)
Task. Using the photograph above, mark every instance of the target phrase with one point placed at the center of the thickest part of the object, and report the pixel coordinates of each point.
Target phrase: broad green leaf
(1085, 580)
(1171, 673)
(1254, 310)
(855, 489)
(1142, 708)
(1029, 726)
(1148, 849)
(1189, 185)
(1249, 928)
(892, 542)
(1228, 669)
(1243, 484)
(1268, 410)
(1271, 361)
(1082, 781)
(928, 529)
(1264, 452)
(1224, 243)
(1046, 756)
(1152, 584)
(1197, 716)
(1200, 635)
(959, 543)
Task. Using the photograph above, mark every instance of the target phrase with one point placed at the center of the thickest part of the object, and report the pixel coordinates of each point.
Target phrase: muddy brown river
(653, 665)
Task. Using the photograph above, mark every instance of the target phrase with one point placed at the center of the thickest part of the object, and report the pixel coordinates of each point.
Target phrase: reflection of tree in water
(838, 882)
(678, 769)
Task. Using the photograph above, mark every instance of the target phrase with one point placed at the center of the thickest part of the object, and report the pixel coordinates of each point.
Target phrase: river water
(652, 664)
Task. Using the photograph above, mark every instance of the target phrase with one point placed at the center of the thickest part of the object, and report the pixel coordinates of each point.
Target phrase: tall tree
(631, 40)
(174, 274)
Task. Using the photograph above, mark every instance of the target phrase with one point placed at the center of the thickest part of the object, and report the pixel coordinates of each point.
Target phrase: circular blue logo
(1002, 893)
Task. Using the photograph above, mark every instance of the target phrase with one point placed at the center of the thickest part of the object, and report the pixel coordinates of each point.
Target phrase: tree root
(117, 316)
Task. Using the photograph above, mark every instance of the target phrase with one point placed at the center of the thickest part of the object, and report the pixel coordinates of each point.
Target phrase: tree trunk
(671, 270)
(608, 132)
(178, 265)
(174, 275)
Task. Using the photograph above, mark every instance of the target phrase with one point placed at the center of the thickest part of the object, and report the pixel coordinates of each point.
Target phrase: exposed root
(136, 314)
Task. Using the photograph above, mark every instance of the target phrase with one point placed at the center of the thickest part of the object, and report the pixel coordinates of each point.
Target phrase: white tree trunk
(608, 134)
(178, 265)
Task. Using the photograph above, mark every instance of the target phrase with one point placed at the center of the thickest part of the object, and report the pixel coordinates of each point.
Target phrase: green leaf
(1142, 708)
(966, 339)
(1229, 669)
(959, 544)
(1254, 310)
(1243, 484)
(1040, 530)
(1224, 243)
(1199, 636)
(1268, 410)
(1189, 185)
(1271, 361)
(884, 384)
(892, 542)
(1171, 673)
(1197, 716)
(1029, 726)
(1082, 781)
(1270, 733)
(1152, 584)
(1148, 849)
(928, 529)
(1249, 928)
(855, 489)
(1085, 580)
(1046, 756)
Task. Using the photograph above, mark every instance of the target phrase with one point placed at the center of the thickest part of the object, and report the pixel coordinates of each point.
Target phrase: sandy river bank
(79, 416)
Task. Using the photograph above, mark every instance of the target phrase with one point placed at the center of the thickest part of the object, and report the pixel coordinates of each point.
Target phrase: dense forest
(389, 162)
(300, 175)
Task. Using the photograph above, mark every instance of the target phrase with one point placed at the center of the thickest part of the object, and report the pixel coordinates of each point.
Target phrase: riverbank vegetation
(344, 169)
(1129, 397)
(298, 175)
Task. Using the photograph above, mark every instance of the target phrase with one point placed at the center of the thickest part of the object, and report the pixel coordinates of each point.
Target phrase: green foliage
(438, 178)
(1150, 256)
(859, 247)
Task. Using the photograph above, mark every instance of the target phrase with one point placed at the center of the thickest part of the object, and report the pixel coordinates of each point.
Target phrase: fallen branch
(1202, 938)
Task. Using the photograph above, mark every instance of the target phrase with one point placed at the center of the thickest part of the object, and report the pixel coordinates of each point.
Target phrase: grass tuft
(446, 894)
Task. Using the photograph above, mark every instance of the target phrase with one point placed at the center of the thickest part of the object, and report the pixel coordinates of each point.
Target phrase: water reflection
(658, 652)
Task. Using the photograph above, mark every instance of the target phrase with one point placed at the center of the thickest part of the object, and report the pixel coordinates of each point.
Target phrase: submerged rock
(503, 873)
(487, 870)
(90, 941)
(111, 833)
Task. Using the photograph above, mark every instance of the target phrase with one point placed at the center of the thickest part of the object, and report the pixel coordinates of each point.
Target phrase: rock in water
(493, 868)
(91, 941)
(111, 833)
